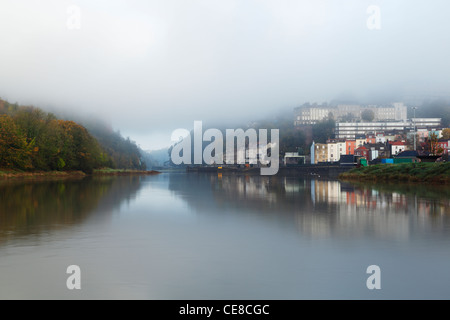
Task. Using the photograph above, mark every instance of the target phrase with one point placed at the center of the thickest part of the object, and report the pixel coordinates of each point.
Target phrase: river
(203, 236)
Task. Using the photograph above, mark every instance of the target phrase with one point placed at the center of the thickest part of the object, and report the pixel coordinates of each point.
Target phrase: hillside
(123, 153)
(31, 139)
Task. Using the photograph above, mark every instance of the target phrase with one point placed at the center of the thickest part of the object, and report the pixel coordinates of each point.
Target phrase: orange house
(371, 139)
(350, 146)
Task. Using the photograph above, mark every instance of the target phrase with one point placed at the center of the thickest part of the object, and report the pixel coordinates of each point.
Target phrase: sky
(150, 67)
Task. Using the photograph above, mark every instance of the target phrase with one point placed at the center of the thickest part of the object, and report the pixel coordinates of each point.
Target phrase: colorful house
(350, 146)
(444, 144)
(397, 147)
(380, 137)
(336, 148)
(371, 138)
(360, 141)
(320, 152)
(362, 152)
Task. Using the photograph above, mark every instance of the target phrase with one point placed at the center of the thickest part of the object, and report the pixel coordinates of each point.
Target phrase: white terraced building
(311, 114)
(349, 130)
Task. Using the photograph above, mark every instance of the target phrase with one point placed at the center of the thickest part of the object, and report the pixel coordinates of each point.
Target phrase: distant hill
(123, 152)
(156, 158)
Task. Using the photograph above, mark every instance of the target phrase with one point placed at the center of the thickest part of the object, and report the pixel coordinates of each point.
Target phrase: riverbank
(307, 170)
(18, 174)
(123, 172)
(438, 173)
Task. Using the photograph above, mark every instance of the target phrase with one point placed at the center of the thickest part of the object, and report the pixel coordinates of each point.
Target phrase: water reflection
(35, 207)
(321, 207)
(313, 207)
(194, 236)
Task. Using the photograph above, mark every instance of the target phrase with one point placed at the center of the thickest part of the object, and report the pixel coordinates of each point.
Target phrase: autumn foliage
(15, 152)
(31, 139)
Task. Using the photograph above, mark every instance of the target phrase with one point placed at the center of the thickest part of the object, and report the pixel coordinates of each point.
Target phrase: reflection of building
(293, 186)
(246, 187)
(326, 191)
(318, 208)
(382, 213)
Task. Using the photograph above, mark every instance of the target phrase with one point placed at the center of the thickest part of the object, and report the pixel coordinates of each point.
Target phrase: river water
(201, 236)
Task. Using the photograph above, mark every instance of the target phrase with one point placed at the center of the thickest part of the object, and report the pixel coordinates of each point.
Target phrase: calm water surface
(190, 236)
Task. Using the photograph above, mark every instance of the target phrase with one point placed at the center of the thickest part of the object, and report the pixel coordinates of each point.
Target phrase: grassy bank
(17, 174)
(402, 172)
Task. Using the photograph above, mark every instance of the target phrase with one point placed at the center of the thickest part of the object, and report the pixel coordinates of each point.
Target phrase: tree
(121, 153)
(446, 134)
(33, 139)
(14, 150)
(368, 115)
(432, 144)
(80, 150)
(323, 130)
(410, 141)
(348, 117)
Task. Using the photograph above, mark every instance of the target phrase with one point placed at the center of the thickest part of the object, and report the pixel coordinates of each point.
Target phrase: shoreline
(430, 173)
(6, 174)
(326, 170)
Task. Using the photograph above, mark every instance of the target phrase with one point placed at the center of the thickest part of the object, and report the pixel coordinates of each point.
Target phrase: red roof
(398, 143)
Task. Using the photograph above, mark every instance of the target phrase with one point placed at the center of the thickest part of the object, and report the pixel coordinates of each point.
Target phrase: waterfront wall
(325, 171)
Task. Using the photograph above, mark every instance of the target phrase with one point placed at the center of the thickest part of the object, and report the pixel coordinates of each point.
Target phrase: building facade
(311, 114)
(321, 152)
(397, 147)
(350, 130)
(336, 148)
(350, 146)
(362, 152)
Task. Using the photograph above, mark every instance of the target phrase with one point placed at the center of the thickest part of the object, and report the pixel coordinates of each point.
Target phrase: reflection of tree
(33, 207)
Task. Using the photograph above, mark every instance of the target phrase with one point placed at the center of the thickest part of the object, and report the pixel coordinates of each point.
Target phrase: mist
(150, 67)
